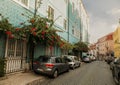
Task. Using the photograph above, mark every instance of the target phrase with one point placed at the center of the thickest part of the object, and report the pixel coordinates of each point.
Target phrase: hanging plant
(66, 46)
(39, 29)
(5, 25)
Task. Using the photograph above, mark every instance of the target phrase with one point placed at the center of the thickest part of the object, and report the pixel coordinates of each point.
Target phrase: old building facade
(70, 19)
(105, 45)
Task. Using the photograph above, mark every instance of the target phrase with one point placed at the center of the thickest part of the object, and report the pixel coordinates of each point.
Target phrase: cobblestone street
(95, 73)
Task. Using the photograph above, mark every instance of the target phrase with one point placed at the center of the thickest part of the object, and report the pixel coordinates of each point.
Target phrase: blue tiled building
(65, 13)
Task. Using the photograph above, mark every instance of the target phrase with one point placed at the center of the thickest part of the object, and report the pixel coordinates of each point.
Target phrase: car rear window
(43, 59)
(58, 60)
(67, 59)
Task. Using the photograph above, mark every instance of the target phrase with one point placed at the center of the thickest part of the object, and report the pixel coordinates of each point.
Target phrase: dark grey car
(116, 70)
(50, 65)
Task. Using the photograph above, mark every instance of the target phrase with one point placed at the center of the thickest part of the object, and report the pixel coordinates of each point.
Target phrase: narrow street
(95, 73)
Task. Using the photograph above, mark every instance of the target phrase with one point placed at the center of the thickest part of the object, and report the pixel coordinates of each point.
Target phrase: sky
(104, 17)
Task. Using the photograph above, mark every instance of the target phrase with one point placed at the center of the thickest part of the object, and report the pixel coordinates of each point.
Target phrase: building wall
(93, 50)
(105, 45)
(15, 11)
(116, 38)
(2, 44)
(84, 23)
(17, 14)
(60, 13)
(74, 21)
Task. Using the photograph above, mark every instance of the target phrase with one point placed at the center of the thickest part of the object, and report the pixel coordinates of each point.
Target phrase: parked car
(112, 63)
(86, 59)
(73, 61)
(109, 59)
(92, 57)
(116, 70)
(50, 65)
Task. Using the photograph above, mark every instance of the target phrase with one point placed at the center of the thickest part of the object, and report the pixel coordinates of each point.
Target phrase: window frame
(22, 4)
(50, 13)
(14, 48)
(65, 24)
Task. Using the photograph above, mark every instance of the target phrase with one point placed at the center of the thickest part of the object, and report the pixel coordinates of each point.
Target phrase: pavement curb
(35, 82)
(3, 78)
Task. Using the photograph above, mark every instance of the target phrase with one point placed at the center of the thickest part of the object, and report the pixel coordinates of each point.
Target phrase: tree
(66, 47)
(80, 47)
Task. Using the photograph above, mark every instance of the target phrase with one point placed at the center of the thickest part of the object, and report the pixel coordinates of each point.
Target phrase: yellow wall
(116, 38)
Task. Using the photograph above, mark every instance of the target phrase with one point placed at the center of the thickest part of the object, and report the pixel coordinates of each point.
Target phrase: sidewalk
(21, 78)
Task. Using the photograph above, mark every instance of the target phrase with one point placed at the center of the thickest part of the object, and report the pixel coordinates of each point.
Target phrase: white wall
(59, 7)
(84, 23)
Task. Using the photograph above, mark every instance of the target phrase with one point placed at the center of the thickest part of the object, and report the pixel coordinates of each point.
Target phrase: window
(66, 1)
(24, 3)
(65, 24)
(50, 13)
(15, 48)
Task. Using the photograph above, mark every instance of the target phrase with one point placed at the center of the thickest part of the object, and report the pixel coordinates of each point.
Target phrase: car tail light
(36, 62)
(49, 65)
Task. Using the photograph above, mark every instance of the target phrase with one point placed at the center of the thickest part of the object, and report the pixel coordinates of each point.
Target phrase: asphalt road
(95, 73)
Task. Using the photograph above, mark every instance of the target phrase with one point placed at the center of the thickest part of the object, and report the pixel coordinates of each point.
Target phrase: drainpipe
(80, 22)
(68, 20)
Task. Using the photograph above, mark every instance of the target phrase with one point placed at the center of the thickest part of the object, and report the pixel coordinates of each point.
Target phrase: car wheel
(55, 74)
(79, 65)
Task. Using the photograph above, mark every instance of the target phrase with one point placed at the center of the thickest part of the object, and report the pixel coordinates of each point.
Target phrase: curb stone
(35, 82)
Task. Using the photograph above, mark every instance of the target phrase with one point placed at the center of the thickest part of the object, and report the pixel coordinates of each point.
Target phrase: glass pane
(43, 59)
(25, 2)
(11, 48)
(19, 48)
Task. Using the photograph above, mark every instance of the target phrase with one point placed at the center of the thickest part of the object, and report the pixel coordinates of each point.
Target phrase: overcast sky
(104, 17)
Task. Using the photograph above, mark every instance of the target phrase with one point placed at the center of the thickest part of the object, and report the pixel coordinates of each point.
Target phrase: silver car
(73, 61)
(50, 65)
(86, 59)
